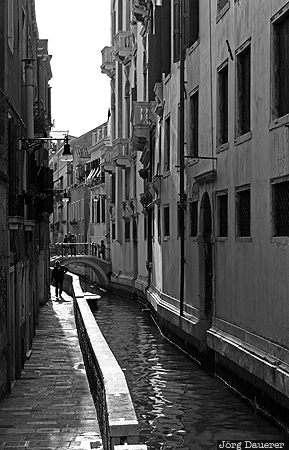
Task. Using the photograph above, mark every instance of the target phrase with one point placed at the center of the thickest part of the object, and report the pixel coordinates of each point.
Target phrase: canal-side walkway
(50, 406)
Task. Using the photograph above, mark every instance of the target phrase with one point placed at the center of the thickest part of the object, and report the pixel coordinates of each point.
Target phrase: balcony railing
(108, 62)
(123, 46)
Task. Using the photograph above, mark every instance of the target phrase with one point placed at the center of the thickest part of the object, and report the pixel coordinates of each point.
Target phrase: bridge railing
(80, 248)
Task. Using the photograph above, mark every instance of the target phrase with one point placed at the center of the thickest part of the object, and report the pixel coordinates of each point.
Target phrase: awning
(90, 175)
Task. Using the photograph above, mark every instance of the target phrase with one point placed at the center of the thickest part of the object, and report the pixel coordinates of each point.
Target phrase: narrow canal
(178, 405)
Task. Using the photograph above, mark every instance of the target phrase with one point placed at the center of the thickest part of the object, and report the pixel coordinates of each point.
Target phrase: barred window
(280, 203)
(194, 219)
(243, 209)
(166, 221)
(222, 205)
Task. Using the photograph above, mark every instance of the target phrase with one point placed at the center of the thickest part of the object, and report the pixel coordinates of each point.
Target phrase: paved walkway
(50, 406)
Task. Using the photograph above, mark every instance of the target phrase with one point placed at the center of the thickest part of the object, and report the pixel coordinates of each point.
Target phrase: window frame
(241, 127)
(219, 195)
(276, 21)
(194, 204)
(221, 99)
(275, 182)
(193, 125)
(166, 221)
(238, 191)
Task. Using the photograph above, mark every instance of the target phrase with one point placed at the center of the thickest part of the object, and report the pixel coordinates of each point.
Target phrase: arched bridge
(101, 267)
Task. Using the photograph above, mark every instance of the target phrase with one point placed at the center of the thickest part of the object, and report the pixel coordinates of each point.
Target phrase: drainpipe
(29, 91)
(181, 153)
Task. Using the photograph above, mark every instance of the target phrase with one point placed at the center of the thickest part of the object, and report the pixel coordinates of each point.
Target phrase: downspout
(29, 91)
(181, 153)
(213, 167)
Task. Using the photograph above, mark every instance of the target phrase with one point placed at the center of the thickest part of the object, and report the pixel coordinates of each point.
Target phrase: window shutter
(176, 30)
(193, 34)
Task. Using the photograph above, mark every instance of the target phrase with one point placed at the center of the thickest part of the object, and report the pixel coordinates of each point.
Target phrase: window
(243, 91)
(112, 230)
(190, 25)
(281, 66)
(103, 210)
(280, 203)
(166, 220)
(167, 144)
(11, 24)
(194, 219)
(221, 4)
(176, 31)
(222, 207)
(222, 137)
(127, 229)
(127, 183)
(243, 210)
(113, 188)
(194, 124)
(191, 22)
(166, 36)
(159, 223)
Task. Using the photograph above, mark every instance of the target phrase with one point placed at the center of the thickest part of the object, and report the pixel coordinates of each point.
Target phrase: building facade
(199, 175)
(26, 183)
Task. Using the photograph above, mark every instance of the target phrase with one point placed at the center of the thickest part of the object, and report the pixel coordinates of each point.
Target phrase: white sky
(76, 31)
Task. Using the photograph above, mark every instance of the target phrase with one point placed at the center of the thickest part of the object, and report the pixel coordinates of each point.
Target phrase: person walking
(57, 277)
(101, 253)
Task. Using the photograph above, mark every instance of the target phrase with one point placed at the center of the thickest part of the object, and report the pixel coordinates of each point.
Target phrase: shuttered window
(176, 31)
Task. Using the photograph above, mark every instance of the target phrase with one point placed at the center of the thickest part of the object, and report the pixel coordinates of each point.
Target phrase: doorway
(206, 257)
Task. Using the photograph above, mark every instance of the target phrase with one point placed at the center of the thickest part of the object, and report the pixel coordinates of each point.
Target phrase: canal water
(178, 405)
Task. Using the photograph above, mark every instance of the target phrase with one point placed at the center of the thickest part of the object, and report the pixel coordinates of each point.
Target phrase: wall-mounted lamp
(33, 144)
(66, 155)
(65, 197)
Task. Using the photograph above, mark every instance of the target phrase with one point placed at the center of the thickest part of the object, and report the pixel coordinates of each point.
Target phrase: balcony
(123, 46)
(108, 62)
(141, 124)
(121, 152)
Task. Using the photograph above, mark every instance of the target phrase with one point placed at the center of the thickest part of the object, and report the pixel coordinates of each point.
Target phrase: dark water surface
(178, 405)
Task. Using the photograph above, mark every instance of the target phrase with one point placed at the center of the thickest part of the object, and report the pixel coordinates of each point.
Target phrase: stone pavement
(50, 406)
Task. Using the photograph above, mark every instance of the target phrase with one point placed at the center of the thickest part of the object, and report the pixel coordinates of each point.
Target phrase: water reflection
(178, 405)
